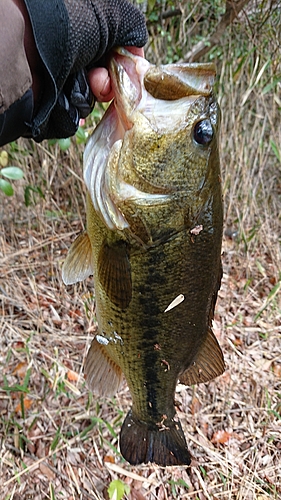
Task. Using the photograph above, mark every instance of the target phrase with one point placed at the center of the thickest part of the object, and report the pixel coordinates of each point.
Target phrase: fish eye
(203, 132)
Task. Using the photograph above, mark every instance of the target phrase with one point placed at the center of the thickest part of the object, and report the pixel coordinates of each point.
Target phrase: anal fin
(78, 264)
(208, 363)
(103, 375)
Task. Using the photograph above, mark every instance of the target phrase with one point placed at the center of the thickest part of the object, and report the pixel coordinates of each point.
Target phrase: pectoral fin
(78, 264)
(208, 363)
(114, 272)
(102, 374)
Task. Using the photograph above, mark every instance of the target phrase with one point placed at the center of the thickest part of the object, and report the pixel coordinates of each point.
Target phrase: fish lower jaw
(127, 192)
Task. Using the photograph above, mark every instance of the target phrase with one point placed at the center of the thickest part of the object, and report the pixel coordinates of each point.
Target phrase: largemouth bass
(153, 245)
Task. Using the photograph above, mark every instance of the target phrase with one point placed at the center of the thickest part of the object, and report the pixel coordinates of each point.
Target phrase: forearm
(15, 75)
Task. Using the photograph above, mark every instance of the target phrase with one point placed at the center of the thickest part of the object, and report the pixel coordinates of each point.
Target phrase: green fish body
(153, 245)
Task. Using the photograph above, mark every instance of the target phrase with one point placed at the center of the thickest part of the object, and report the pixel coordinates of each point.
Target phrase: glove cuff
(50, 24)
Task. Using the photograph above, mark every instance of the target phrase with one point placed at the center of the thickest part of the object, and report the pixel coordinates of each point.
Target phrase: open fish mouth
(165, 82)
(155, 97)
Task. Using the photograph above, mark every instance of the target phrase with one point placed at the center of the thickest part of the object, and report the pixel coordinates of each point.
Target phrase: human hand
(99, 79)
(90, 30)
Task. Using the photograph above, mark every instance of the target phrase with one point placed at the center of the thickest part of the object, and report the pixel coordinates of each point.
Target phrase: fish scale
(153, 245)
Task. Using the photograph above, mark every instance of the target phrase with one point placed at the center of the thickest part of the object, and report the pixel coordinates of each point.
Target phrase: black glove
(71, 36)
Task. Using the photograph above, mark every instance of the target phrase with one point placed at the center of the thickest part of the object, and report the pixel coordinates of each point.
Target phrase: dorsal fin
(208, 363)
(78, 264)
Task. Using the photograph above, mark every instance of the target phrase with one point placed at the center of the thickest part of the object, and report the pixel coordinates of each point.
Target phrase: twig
(120, 470)
(24, 251)
(166, 15)
(43, 460)
(232, 10)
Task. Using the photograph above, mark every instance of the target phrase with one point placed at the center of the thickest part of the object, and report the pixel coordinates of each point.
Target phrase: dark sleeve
(15, 121)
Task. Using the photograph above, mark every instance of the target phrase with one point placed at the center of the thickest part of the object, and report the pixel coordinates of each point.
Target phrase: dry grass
(56, 442)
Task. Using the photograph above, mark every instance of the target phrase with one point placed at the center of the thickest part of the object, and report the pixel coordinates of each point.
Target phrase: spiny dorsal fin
(102, 374)
(78, 264)
(114, 272)
(142, 442)
(208, 363)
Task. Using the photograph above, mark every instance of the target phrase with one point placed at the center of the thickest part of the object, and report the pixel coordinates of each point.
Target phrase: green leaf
(27, 196)
(271, 86)
(111, 430)
(56, 439)
(28, 200)
(13, 173)
(117, 489)
(17, 387)
(64, 143)
(4, 158)
(94, 422)
(275, 150)
(151, 4)
(273, 292)
(81, 135)
(52, 492)
(26, 380)
(6, 187)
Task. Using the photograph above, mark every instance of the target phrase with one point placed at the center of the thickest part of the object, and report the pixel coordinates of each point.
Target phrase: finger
(99, 79)
(137, 51)
(100, 84)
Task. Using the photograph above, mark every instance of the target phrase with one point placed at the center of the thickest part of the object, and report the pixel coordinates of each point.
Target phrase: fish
(154, 219)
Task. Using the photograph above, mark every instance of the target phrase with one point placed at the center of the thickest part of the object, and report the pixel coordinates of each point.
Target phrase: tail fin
(163, 444)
